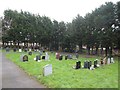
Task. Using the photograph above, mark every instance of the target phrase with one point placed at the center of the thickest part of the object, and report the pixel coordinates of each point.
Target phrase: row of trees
(97, 29)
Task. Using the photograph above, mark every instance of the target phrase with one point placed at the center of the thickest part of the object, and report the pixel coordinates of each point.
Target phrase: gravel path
(14, 77)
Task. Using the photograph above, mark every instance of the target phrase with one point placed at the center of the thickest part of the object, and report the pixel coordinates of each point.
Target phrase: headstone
(25, 50)
(60, 58)
(66, 57)
(78, 64)
(40, 53)
(21, 58)
(95, 63)
(112, 60)
(46, 56)
(108, 61)
(20, 50)
(47, 70)
(14, 50)
(86, 64)
(38, 58)
(57, 55)
(30, 53)
(89, 64)
(7, 49)
(30, 50)
(25, 58)
(69, 56)
(77, 55)
(43, 57)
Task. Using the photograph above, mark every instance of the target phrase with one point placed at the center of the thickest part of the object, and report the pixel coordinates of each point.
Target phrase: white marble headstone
(47, 70)
(108, 61)
(20, 50)
(112, 60)
(46, 56)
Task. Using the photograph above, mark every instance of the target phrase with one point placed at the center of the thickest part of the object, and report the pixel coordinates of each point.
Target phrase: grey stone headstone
(47, 70)
(108, 61)
(21, 58)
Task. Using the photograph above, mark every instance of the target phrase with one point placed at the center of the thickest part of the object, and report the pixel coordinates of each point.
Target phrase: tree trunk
(106, 51)
(88, 48)
(96, 50)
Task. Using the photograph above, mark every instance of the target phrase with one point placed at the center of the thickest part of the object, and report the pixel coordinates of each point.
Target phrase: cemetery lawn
(64, 76)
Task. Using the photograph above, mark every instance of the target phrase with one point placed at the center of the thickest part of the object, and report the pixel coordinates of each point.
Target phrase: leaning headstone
(78, 64)
(60, 58)
(108, 61)
(30, 53)
(47, 70)
(46, 56)
(20, 50)
(112, 60)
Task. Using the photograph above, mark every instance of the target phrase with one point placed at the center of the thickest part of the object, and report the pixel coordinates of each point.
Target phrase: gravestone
(20, 50)
(95, 63)
(24, 58)
(21, 58)
(30, 53)
(43, 57)
(47, 70)
(57, 55)
(77, 55)
(112, 60)
(89, 64)
(40, 53)
(14, 50)
(78, 64)
(69, 56)
(46, 56)
(86, 64)
(108, 61)
(7, 49)
(60, 58)
(66, 57)
(38, 57)
(25, 50)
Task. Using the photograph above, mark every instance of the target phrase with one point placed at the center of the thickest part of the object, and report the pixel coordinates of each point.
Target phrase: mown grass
(64, 76)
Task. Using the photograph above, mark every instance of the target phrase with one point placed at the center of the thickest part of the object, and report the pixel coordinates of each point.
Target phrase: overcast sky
(60, 10)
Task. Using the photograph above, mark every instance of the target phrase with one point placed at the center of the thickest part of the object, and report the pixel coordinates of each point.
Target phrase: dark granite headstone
(66, 57)
(86, 64)
(78, 64)
(25, 58)
(14, 50)
(60, 58)
(30, 53)
(25, 49)
(95, 63)
(38, 57)
(43, 57)
(89, 64)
